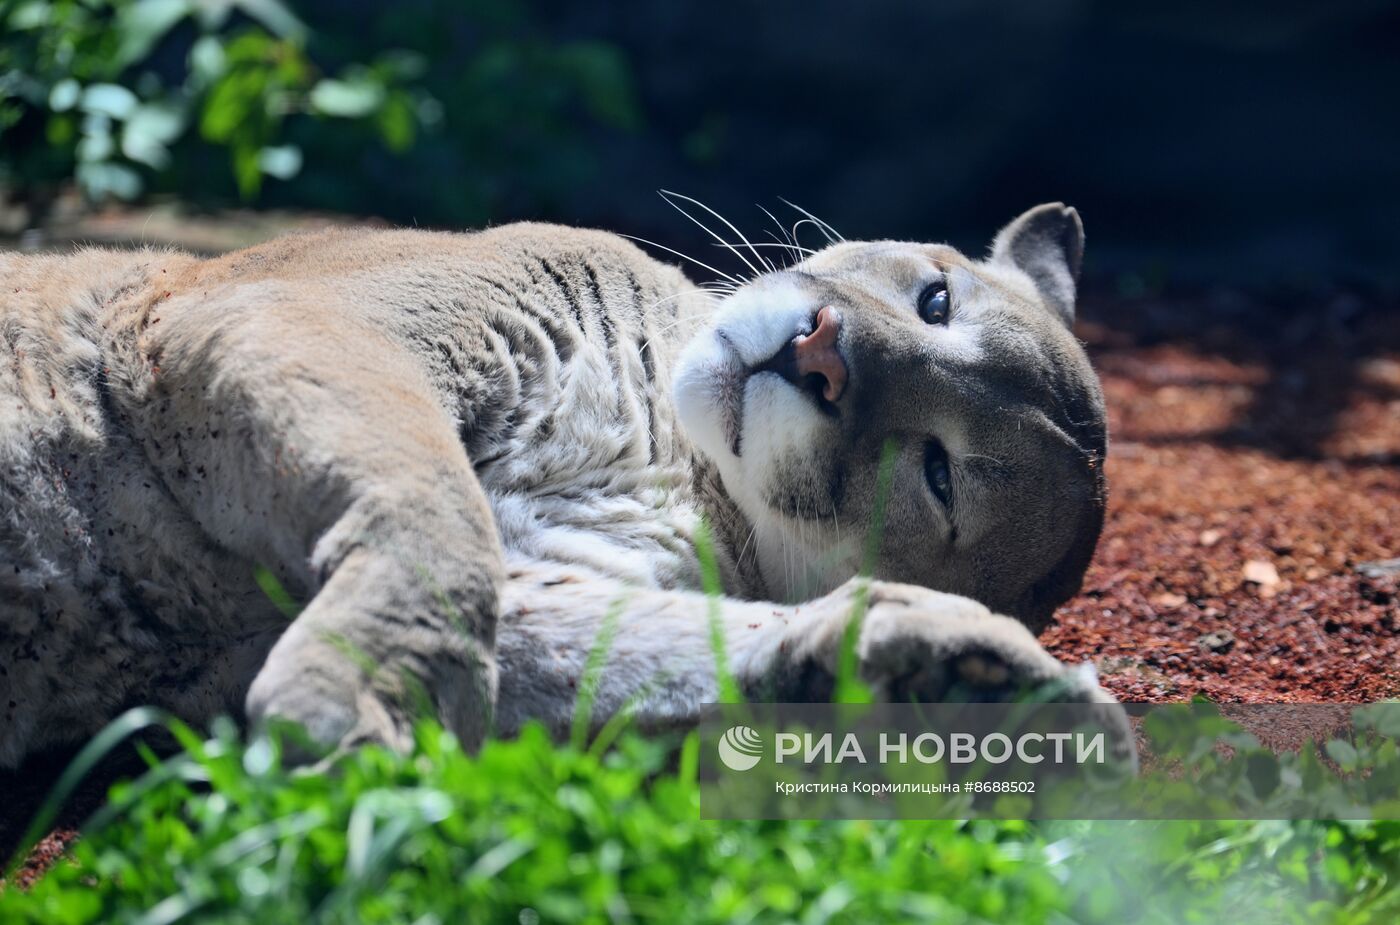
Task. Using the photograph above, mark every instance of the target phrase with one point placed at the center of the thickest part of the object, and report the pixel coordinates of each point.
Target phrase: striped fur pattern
(465, 453)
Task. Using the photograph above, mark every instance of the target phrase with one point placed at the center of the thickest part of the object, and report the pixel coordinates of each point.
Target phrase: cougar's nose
(819, 354)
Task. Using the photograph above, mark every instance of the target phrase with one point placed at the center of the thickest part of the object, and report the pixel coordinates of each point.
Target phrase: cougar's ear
(1047, 243)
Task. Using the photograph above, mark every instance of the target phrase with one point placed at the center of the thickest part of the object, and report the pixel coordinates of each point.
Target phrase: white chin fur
(780, 424)
(749, 328)
(780, 427)
(703, 371)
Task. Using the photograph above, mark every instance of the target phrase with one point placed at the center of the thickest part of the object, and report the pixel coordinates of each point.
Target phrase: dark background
(1197, 138)
(1233, 143)
(1252, 142)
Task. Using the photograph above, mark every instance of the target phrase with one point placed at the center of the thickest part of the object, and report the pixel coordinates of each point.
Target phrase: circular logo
(740, 748)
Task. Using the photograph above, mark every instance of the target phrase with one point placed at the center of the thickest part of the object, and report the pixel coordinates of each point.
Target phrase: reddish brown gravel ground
(49, 850)
(1254, 474)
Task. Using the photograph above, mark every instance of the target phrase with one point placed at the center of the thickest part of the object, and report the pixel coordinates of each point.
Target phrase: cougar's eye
(937, 473)
(934, 303)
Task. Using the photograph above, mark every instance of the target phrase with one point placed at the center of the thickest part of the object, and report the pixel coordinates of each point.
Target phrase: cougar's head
(906, 389)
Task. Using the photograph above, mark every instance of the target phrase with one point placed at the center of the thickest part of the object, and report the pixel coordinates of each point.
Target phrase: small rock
(1264, 574)
(1210, 537)
(1168, 600)
(1219, 642)
(1383, 568)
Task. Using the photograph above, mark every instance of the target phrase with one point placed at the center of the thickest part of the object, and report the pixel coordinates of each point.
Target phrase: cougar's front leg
(913, 644)
(308, 442)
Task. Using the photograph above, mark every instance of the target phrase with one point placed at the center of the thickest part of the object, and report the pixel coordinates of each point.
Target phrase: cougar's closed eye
(934, 303)
(937, 472)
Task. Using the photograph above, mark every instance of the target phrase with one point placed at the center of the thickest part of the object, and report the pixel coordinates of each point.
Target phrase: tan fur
(461, 451)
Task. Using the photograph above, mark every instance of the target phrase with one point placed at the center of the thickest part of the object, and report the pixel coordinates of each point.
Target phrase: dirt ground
(1252, 547)
(1254, 473)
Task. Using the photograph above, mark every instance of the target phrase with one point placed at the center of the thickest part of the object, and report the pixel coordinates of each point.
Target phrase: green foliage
(84, 90)
(130, 96)
(1209, 765)
(532, 831)
(564, 832)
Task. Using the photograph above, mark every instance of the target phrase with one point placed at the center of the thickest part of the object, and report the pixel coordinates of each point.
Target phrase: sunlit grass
(530, 830)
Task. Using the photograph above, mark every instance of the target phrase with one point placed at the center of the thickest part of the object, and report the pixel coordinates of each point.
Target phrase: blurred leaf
(346, 98)
(276, 592)
(402, 65)
(234, 105)
(206, 60)
(397, 123)
(96, 144)
(275, 16)
(1263, 773)
(110, 99)
(151, 128)
(247, 169)
(144, 23)
(32, 15)
(64, 95)
(282, 162)
(60, 131)
(1342, 752)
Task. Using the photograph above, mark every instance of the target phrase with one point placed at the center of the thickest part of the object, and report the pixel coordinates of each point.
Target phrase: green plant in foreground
(567, 833)
(533, 831)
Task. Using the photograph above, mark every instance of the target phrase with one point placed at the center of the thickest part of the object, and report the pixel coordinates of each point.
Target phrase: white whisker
(718, 289)
(753, 531)
(733, 279)
(657, 330)
(778, 223)
(680, 295)
(778, 243)
(831, 233)
(805, 251)
(667, 194)
(792, 242)
(807, 221)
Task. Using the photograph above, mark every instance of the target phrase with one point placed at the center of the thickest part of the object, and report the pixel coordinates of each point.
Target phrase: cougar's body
(468, 455)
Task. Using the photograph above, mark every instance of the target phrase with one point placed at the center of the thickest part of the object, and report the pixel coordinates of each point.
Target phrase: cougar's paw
(926, 646)
(331, 698)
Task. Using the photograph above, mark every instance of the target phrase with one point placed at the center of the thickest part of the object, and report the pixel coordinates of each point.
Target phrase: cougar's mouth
(810, 362)
(766, 332)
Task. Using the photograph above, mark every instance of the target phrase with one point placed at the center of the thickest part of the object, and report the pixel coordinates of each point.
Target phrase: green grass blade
(729, 691)
(275, 592)
(849, 688)
(112, 735)
(593, 673)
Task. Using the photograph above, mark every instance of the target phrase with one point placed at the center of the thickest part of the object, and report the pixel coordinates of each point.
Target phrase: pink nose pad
(818, 353)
